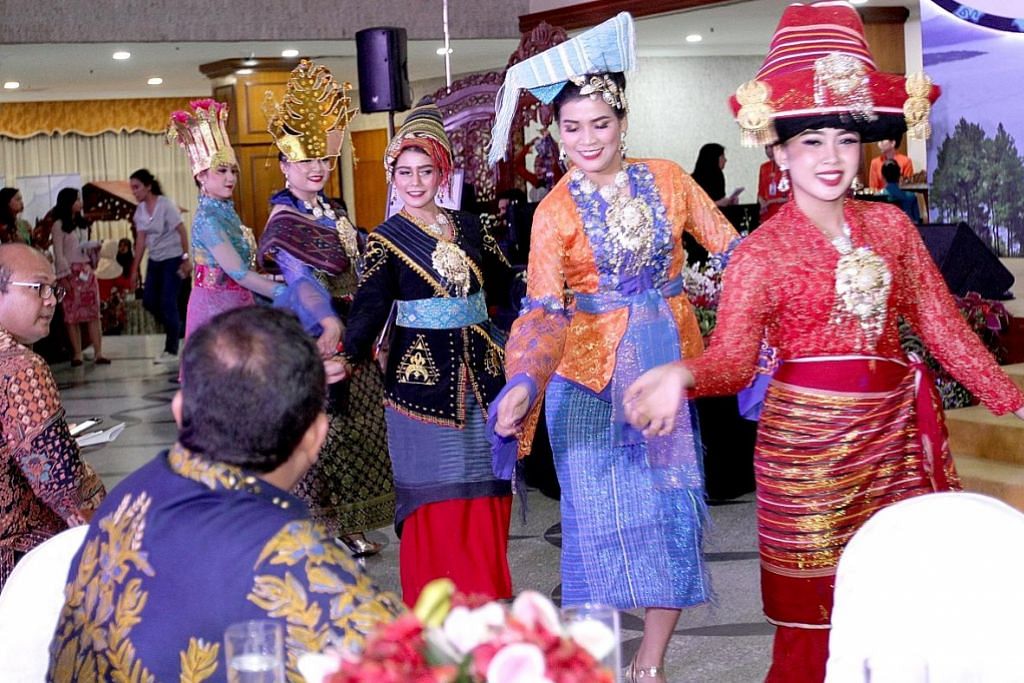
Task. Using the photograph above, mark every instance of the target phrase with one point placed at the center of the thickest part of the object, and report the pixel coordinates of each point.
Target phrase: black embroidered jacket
(428, 370)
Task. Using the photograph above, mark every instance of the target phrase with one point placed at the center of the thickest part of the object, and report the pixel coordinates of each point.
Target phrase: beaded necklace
(628, 231)
(342, 225)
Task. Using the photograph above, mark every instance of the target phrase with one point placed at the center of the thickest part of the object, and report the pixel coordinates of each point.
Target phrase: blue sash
(651, 339)
(437, 313)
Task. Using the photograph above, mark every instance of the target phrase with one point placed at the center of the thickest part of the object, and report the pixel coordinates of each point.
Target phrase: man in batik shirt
(45, 486)
(207, 535)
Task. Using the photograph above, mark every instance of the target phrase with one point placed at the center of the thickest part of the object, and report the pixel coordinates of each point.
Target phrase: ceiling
(87, 71)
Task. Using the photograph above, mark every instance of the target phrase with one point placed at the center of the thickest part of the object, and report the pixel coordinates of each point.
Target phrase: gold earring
(622, 144)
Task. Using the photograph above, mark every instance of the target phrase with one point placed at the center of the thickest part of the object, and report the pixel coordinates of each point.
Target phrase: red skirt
(839, 439)
(82, 302)
(465, 540)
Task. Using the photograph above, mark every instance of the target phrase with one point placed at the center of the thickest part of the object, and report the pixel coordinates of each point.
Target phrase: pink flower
(533, 609)
(518, 663)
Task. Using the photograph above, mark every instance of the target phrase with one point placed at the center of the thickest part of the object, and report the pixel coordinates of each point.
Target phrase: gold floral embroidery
(93, 641)
(417, 364)
(199, 661)
(356, 608)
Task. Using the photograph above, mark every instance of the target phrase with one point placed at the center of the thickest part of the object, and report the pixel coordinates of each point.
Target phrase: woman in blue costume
(609, 234)
(349, 490)
(222, 252)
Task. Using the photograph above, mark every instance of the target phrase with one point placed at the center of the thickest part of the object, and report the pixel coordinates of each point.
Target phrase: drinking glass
(596, 628)
(254, 651)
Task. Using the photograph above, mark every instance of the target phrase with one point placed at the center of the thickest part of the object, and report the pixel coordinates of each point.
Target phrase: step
(1001, 480)
(977, 433)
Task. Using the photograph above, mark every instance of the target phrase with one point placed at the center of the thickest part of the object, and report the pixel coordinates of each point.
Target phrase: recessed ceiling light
(11, 85)
(694, 38)
(289, 53)
(244, 72)
(250, 62)
(156, 80)
(858, 2)
(121, 55)
(442, 51)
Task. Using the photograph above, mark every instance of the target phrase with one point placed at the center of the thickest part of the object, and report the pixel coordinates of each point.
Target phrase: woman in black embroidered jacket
(444, 366)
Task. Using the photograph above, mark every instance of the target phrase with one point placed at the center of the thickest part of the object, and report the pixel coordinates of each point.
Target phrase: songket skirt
(452, 514)
(624, 542)
(349, 488)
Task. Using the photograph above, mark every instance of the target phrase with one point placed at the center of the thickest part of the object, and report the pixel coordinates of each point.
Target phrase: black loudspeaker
(383, 69)
(966, 263)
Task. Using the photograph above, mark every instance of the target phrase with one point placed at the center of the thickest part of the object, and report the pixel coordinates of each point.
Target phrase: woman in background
(349, 489)
(159, 229)
(74, 258)
(707, 172)
(12, 227)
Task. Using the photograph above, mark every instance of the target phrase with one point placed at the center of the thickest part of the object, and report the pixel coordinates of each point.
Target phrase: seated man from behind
(906, 200)
(206, 534)
(45, 486)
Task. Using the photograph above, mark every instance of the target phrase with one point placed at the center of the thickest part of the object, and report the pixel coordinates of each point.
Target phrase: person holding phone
(708, 172)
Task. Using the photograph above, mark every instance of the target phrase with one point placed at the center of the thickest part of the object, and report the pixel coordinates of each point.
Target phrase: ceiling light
(250, 62)
(244, 72)
(11, 85)
(290, 52)
(156, 80)
(121, 55)
(858, 2)
(694, 38)
(442, 51)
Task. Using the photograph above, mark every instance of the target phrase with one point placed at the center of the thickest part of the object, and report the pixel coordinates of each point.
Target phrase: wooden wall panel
(370, 185)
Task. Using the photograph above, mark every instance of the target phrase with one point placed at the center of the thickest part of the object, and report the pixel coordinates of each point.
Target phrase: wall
(679, 103)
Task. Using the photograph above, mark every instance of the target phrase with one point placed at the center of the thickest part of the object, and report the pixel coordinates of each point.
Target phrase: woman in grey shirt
(159, 228)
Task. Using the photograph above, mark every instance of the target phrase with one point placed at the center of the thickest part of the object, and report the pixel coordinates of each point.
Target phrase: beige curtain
(109, 156)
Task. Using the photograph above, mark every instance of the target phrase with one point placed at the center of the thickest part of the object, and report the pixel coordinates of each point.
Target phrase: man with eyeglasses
(45, 486)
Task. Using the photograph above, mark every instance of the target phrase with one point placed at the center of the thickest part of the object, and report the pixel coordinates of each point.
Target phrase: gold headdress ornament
(603, 85)
(311, 119)
(203, 134)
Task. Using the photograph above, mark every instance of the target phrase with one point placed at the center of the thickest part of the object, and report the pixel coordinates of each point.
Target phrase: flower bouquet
(703, 283)
(452, 638)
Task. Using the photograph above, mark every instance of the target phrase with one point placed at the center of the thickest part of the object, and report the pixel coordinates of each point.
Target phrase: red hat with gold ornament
(819, 73)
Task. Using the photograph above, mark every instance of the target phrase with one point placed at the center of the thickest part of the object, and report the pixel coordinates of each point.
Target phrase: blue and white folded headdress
(606, 48)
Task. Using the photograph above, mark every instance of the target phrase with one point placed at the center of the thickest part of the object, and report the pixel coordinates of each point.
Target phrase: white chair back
(931, 589)
(30, 606)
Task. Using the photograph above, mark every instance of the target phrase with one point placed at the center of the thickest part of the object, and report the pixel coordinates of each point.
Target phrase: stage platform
(989, 450)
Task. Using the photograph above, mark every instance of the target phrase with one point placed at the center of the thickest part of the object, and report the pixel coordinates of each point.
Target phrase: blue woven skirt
(623, 542)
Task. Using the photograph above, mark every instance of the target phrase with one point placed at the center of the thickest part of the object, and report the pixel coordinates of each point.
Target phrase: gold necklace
(630, 223)
(435, 229)
(448, 258)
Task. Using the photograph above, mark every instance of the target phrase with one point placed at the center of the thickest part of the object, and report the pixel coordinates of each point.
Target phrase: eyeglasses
(44, 290)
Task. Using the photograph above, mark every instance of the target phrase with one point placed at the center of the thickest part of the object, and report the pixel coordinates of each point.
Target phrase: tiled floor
(728, 642)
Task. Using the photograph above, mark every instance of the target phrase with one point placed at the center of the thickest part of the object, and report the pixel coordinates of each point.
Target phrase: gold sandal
(635, 673)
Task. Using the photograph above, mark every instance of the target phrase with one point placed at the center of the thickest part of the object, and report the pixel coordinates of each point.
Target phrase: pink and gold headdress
(203, 133)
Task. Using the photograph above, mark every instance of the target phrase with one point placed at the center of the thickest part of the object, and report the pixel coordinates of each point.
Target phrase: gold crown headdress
(311, 119)
(203, 134)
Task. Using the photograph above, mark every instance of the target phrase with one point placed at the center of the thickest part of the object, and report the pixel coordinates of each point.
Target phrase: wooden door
(368, 182)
